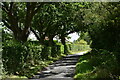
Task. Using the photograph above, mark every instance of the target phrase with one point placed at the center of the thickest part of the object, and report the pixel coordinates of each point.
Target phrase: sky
(74, 36)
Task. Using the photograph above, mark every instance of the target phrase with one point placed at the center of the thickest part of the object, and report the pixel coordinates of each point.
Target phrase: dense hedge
(17, 57)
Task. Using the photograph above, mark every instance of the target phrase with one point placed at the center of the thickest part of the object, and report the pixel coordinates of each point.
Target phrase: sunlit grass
(71, 52)
(14, 76)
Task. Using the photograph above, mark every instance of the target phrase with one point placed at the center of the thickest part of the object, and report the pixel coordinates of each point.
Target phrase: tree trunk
(21, 36)
(64, 43)
(51, 41)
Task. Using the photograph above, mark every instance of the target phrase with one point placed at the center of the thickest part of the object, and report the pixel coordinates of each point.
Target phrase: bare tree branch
(6, 24)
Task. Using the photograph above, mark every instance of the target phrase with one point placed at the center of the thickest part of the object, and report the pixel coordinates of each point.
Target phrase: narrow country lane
(62, 69)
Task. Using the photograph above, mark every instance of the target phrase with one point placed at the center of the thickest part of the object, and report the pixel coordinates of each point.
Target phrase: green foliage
(45, 52)
(104, 33)
(26, 59)
(103, 28)
(97, 65)
(20, 20)
(1, 64)
(85, 37)
(56, 19)
(83, 67)
(61, 19)
(82, 42)
(17, 57)
(78, 47)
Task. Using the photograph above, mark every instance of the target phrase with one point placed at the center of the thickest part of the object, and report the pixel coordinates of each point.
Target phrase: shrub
(83, 67)
(18, 58)
(99, 65)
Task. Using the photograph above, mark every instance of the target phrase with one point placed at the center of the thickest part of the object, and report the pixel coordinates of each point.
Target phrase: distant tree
(84, 36)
